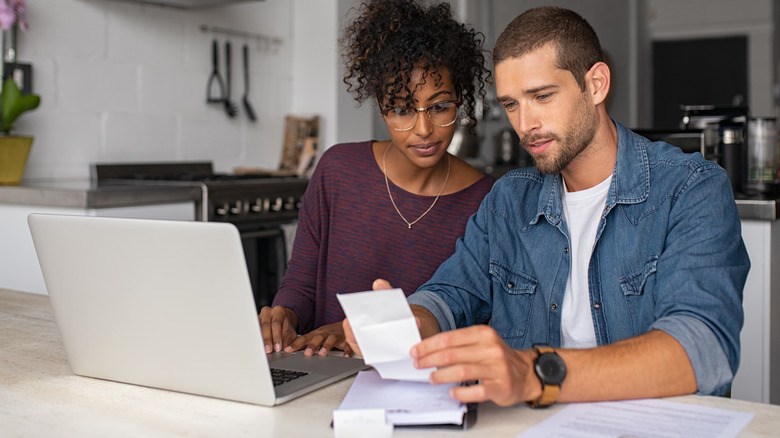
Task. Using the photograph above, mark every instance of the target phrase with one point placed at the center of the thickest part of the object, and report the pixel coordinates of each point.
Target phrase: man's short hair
(576, 42)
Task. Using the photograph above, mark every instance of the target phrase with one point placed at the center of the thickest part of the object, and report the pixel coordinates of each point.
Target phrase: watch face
(550, 368)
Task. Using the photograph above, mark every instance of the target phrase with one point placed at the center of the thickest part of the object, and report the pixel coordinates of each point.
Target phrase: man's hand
(278, 324)
(321, 340)
(381, 284)
(350, 337)
(504, 375)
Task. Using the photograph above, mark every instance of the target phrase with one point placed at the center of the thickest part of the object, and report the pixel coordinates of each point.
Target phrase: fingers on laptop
(277, 328)
(321, 341)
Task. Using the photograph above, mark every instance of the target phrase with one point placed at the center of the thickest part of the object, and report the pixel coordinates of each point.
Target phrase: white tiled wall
(127, 82)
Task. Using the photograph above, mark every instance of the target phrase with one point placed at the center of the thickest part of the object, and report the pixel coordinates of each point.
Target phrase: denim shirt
(668, 255)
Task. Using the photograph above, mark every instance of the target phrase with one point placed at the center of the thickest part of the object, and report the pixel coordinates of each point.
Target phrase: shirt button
(554, 306)
(597, 306)
(566, 250)
(510, 285)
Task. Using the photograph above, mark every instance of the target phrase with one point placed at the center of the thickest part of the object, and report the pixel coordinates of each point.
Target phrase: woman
(385, 209)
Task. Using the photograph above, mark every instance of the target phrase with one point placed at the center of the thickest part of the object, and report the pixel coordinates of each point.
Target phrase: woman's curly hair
(390, 38)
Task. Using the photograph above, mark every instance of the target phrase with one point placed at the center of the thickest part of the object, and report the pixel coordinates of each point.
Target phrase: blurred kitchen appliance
(465, 142)
(732, 153)
(747, 147)
(509, 151)
(762, 156)
(725, 136)
(257, 204)
(709, 119)
(507, 146)
(689, 140)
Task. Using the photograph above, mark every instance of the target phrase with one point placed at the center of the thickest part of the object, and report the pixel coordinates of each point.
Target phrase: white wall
(127, 82)
(317, 72)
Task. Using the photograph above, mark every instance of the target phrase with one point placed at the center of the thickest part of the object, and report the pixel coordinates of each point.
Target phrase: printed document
(640, 418)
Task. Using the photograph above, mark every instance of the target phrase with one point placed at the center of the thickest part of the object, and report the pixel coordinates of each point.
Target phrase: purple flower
(19, 6)
(11, 12)
(7, 16)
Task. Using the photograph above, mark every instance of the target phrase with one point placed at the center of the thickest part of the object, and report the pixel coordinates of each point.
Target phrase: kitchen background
(126, 81)
(123, 81)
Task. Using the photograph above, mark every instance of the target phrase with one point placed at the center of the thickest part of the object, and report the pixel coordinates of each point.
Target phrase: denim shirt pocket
(513, 301)
(638, 300)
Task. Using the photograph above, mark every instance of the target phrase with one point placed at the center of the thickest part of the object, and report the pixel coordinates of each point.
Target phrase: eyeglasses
(441, 114)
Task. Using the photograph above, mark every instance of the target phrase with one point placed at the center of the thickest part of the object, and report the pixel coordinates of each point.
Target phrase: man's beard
(575, 140)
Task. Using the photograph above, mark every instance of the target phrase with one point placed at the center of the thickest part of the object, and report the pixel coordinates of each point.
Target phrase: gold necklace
(387, 184)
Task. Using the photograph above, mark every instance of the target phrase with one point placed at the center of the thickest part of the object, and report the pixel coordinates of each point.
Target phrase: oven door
(265, 250)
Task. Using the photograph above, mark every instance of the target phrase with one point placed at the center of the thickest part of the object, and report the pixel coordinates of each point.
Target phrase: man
(613, 270)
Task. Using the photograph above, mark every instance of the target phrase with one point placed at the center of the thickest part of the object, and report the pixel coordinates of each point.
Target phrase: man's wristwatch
(551, 371)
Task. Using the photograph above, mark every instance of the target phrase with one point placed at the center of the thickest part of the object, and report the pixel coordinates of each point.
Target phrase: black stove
(235, 198)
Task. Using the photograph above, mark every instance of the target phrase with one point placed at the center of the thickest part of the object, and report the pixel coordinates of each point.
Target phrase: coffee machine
(746, 147)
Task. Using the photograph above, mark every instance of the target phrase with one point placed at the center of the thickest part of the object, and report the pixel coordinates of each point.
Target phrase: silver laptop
(166, 304)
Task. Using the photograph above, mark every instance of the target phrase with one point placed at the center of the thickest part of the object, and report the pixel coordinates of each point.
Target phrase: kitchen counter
(40, 396)
(19, 267)
(86, 194)
(758, 208)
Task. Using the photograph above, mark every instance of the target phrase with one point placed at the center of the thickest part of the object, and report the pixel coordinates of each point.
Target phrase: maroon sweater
(349, 234)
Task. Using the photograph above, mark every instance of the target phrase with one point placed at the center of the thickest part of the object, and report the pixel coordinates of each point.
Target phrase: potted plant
(13, 149)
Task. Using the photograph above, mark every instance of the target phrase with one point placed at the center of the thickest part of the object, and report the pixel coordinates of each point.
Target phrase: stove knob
(290, 204)
(221, 210)
(266, 205)
(257, 206)
(277, 205)
(237, 208)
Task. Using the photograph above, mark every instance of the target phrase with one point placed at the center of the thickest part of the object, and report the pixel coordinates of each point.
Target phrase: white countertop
(39, 397)
(85, 194)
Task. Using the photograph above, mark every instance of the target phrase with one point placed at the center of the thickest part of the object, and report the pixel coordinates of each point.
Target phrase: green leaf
(14, 104)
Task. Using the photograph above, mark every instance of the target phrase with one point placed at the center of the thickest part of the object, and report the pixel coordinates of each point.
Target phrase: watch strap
(542, 349)
(549, 392)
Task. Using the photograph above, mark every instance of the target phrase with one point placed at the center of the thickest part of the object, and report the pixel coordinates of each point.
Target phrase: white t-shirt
(582, 210)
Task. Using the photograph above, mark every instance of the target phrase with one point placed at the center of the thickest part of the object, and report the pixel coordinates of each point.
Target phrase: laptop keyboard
(280, 376)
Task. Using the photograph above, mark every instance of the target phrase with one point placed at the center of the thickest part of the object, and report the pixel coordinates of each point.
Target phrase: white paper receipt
(385, 331)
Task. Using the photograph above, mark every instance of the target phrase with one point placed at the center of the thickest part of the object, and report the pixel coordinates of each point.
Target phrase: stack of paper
(385, 330)
(404, 403)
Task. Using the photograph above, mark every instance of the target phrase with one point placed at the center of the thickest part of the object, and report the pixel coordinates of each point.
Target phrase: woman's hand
(321, 341)
(277, 325)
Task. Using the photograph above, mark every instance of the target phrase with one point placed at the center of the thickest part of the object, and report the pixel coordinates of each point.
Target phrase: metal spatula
(215, 80)
(250, 112)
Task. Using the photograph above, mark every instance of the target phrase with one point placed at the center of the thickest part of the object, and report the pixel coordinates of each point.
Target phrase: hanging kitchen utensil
(215, 79)
(250, 112)
(230, 108)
